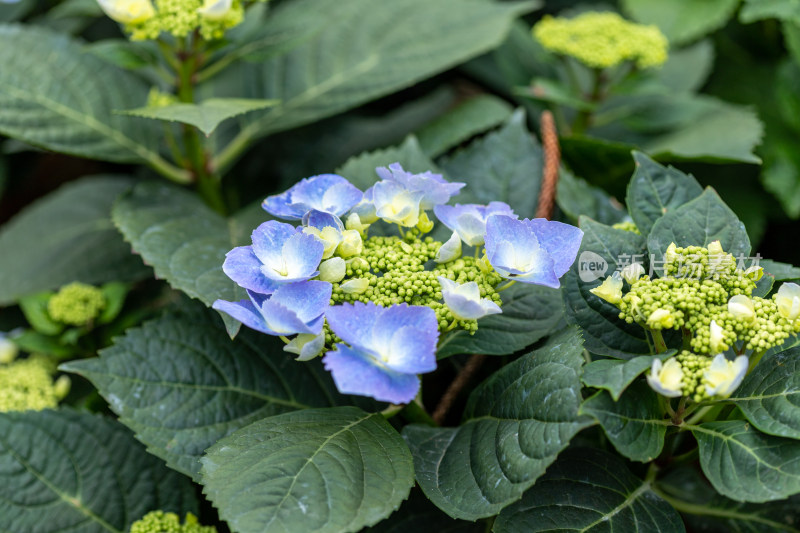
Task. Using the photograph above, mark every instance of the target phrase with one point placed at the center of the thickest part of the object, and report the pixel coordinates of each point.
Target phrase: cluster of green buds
(704, 294)
(27, 384)
(602, 40)
(143, 20)
(76, 304)
(162, 522)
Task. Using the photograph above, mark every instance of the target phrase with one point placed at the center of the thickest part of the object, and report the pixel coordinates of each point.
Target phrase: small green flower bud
(332, 270)
(355, 286)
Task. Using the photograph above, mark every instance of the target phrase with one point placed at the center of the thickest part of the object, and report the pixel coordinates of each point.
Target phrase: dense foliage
(365, 265)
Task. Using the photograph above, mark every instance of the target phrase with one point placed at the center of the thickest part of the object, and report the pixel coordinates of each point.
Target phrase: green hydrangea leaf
(655, 190)
(634, 423)
(682, 21)
(505, 166)
(747, 465)
(61, 470)
(64, 237)
(697, 223)
(515, 425)
(181, 384)
(780, 271)
(205, 115)
(602, 248)
(476, 115)
(530, 312)
(324, 470)
(769, 396)
(576, 197)
(319, 58)
(687, 69)
(591, 491)
(58, 97)
(360, 170)
(753, 10)
(184, 241)
(419, 515)
(705, 510)
(614, 375)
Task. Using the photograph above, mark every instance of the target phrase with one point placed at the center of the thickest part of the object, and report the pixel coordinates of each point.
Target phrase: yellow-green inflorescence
(161, 522)
(76, 304)
(394, 270)
(182, 17)
(602, 40)
(704, 294)
(627, 225)
(27, 384)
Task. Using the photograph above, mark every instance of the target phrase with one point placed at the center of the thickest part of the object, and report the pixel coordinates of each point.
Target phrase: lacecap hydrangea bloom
(602, 40)
(376, 306)
(705, 295)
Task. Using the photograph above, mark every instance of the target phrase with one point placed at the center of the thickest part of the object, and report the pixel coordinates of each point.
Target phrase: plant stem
(414, 412)
(508, 284)
(696, 417)
(658, 341)
(584, 118)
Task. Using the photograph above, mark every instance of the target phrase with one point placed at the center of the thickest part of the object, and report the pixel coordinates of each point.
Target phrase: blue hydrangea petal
(244, 268)
(561, 241)
(471, 229)
(410, 352)
(245, 312)
(281, 320)
(469, 220)
(356, 372)
(308, 300)
(353, 323)
(365, 209)
(421, 319)
(298, 260)
(325, 192)
(436, 189)
(515, 253)
(321, 220)
(465, 301)
(268, 239)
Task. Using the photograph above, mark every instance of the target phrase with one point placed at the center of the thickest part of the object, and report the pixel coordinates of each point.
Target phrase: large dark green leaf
(503, 166)
(576, 197)
(530, 312)
(419, 515)
(516, 423)
(58, 97)
(682, 20)
(654, 190)
(324, 470)
(747, 465)
(184, 241)
(604, 332)
(319, 58)
(770, 394)
(780, 271)
(181, 384)
(697, 223)
(615, 375)
(205, 115)
(68, 471)
(634, 423)
(360, 169)
(66, 236)
(754, 10)
(589, 490)
(474, 116)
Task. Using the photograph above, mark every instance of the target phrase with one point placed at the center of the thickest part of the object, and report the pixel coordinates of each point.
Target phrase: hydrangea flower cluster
(703, 294)
(76, 304)
(377, 305)
(27, 384)
(161, 522)
(602, 40)
(143, 20)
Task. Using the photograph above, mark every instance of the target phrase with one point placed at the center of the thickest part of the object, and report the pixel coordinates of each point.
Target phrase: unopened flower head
(666, 378)
(602, 40)
(76, 304)
(27, 384)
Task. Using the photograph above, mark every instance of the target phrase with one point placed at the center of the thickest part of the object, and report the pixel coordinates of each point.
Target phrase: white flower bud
(332, 270)
(666, 378)
(449, 251)
(632, 273)
(717, 338)
(788, 301)
(660, 319)
(351, 244)
(355, 286)
(742, 308)
(723, 376)
(128, 11)
(306, 345)
(215, 9)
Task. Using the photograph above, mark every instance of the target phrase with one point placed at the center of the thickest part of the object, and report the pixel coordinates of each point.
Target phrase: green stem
(755, 357)
(507, 285)
(698, 415)
(235, 148)
(584, 117)
(658, 341)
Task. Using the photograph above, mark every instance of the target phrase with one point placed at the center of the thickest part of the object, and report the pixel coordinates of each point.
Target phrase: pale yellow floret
(788, 301)
(76, 304)
(723, 376)
(602, 40)
(666, 378)
(610, 290)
